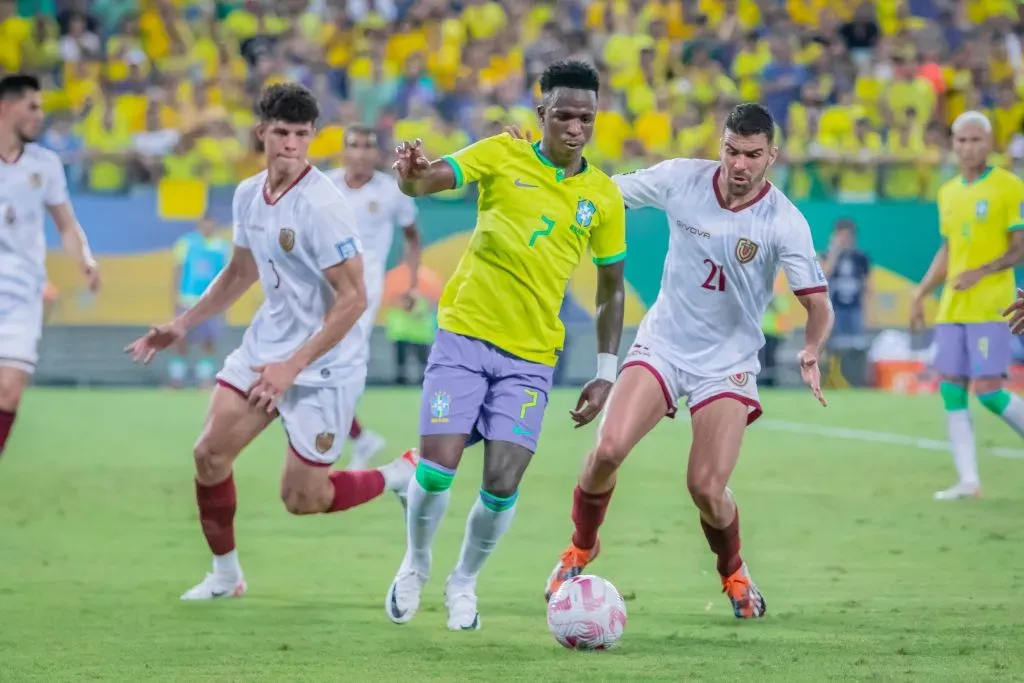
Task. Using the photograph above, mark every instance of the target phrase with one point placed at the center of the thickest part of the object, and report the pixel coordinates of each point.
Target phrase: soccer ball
(587, 613)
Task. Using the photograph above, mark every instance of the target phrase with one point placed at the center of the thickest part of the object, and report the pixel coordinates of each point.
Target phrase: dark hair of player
(750, 119)
(14, 86)
(288, 102)
(570, 73)
(362, 130)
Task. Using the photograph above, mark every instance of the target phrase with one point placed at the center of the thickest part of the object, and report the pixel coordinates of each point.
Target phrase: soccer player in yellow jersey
(541, 206)
(981, 219)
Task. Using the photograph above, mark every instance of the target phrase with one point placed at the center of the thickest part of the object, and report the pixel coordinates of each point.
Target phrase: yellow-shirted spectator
(42, 51)
(1000, 67)
(805, 12)
(980, 11)
(160, 30)
(747, 13)
(483, 19)
(254, 20)
(692, 133)
(328, 144)
(858, 156)
(621, 52)
(932, 164)
(444, 54)
(184, 162)
(705, 81)
(904, 148)
(753, 57)
(220, 148)
(611, 129)
(908, 91)
(654, 127)
(1007, 117)
(444, 137)
(539, 14)
(805, 113)
(959, 82)
(402, 44)
(107, 139)
(15, 31)
(894, 17)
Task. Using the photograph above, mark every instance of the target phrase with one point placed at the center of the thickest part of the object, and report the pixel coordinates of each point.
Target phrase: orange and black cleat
(572, 563)
(747, 601)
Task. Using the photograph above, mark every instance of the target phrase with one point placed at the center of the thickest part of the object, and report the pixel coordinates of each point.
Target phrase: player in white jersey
(32, 184)
(730, 232)
(301, 358)
(378, 207)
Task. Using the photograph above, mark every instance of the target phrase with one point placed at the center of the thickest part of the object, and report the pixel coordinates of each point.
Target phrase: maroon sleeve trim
(821, 289)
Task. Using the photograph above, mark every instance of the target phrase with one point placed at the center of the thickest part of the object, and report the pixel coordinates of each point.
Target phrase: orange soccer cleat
(747, 601)
(572, 563)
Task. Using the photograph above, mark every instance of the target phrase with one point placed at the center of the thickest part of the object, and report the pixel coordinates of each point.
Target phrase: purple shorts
(973, 350)
(474, 388)
(205, 332)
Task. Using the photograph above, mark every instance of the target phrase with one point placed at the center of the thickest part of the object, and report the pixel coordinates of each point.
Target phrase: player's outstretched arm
(232, 282)
(935, 276)
(75, 242)
(417, 175)
(819, 326)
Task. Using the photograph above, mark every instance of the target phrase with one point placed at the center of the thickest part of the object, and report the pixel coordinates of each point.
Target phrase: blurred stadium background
(150, 105)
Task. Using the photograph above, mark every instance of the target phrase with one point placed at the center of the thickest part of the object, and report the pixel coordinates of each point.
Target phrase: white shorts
(698, 391)
(20, 330)
(316, 419)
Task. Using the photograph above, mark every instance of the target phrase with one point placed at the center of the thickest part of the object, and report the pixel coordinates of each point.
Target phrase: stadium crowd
(143, 90)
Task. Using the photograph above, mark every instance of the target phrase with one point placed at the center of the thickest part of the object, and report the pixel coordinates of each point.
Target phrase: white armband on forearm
(607, 366)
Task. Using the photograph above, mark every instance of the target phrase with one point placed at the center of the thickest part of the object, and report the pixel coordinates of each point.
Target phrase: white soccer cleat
(403, 598)
(460, 599)
(960, 490)
(364, 448)
(213, 587)
(399, 473)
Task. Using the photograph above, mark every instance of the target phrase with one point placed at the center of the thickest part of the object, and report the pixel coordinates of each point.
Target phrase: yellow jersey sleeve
(1014, 204)
(472, 163)
(608, 241)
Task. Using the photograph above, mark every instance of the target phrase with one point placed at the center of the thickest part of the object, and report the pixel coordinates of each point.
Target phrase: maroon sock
(726, 544)
(6, 422)
(217, 506)
(588, 514)
(355, 487)
(355, 430)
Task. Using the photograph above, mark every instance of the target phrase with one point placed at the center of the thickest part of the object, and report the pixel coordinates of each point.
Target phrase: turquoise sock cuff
(433, 477)
(954, 396)
(497, 503)
(996, 401)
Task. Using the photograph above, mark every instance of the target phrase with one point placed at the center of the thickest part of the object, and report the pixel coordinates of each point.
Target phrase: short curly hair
(570, 73)
(288, 102)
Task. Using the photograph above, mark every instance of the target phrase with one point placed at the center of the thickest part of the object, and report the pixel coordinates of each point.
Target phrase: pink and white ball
(587, 613)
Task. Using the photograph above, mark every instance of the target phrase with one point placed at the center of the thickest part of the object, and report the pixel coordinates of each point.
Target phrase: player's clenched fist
(158, 338)
(1016, 313)
(810, 372)
(274, 380)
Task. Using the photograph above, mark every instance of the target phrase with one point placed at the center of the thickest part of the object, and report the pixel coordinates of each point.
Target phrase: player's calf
(12, 385)
(311, 488)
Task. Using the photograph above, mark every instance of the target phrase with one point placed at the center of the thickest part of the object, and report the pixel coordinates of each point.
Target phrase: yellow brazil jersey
(533, 225)
(976, 220)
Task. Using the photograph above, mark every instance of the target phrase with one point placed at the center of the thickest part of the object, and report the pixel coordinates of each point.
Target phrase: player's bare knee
(706, 492)
(300, 502)
(610, 453)
(212, 464)
(11, 387)
(500, 484)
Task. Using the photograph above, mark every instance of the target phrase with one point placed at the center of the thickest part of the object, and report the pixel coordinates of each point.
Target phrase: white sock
(961, 440)
(484, 528)
(425, 512)
(1013, 415)
(226, 567)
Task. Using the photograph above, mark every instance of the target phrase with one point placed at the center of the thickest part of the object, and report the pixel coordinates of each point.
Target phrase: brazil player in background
(198, 259)
(981, 220)
(540, 207)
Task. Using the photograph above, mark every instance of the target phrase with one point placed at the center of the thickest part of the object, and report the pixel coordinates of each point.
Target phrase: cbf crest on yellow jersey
(976, 219)
(533, 225)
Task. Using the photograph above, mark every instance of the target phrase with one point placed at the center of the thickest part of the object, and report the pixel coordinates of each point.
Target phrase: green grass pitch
(865, 576)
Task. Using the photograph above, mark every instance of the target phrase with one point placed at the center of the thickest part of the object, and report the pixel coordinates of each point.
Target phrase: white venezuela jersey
(721, 266)
(293, 240)
(28, 185)
(378, 208)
